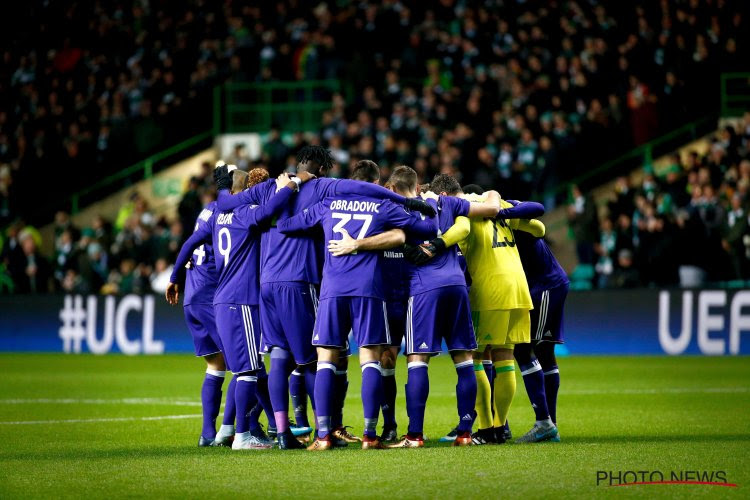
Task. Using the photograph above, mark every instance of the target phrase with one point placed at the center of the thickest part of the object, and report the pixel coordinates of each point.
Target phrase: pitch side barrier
(642, 321)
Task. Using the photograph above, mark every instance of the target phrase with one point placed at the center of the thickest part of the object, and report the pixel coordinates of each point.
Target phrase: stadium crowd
(642, 235)
(526, 93)
(521, 95)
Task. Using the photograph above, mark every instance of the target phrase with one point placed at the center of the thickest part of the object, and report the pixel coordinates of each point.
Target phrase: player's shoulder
(505, 204)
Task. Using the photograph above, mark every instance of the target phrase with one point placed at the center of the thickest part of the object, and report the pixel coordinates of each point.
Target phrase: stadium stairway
(561, 241)
(163, 193)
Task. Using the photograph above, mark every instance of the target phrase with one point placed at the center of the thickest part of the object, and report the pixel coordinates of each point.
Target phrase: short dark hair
(443, 183)
(472, 189)
(366, 170)
(314, 159)
(423, 188)
(403, 179)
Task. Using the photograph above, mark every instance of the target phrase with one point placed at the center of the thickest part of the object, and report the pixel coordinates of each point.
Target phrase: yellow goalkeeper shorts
(501, 326)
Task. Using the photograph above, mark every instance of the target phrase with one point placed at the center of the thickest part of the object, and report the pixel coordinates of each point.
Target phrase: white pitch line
(97, 420)
(92, 401)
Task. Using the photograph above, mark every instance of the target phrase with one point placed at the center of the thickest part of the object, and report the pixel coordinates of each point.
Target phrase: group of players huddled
(292, 267)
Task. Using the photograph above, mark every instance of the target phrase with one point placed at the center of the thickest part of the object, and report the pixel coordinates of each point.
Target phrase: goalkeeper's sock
(551, 386)
(466, 395)
(483, 405)
(505, 389)
(533, 379)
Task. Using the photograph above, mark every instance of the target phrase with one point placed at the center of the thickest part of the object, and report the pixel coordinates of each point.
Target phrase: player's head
(403, 181)
(423, 188)
(472, 189)
(256, 176)
(239, 181)
(367, 171)
(446, 185)
(314, 159)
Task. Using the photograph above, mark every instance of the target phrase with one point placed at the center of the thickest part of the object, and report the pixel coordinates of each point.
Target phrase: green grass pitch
(84, 428)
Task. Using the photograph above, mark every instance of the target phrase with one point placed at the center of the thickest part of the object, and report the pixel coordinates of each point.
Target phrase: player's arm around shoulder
(534, 227)
(304, 220)
(383, 241)
(489, 206)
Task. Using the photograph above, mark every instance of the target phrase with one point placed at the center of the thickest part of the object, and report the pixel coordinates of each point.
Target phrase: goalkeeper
(499, 296)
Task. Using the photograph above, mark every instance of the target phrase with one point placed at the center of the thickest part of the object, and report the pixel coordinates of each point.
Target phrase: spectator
(30, 271)
(583, 223)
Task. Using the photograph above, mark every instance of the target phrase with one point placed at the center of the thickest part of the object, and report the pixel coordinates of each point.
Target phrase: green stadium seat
(582, 272)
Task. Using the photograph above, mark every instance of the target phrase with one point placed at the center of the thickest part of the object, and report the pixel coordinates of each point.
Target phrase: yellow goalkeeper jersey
(497, 277)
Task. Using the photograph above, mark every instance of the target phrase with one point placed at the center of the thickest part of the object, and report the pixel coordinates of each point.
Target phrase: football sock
(466, 395)
(341, 386)
(230, 408)
(324, 393)
(299, 398)
(264, 398)
(533, 379)
(278, 388)
(505, 389)
(551, 386)
(310, 385)
(372, 395)
(489, 370)
(211, 401)
(244, 397)
(483, 404)
(389, 397)
(417, 389)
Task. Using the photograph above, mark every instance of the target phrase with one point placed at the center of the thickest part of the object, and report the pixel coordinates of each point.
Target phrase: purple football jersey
(235, 237)
(395, 270)
(356, 275)
(543, 271)
(202, 277)
(445, 268)
(296, 257)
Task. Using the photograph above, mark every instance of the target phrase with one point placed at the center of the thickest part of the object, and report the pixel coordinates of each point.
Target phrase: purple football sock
(278, 388)
(324, 393)
(211, 401)
(466, 395)
(417, 390)
(309, 386)
(264, 398)
(533, 379)
(230, 408)
(244, 397)
(551, 386)
(372, 395)
(389, 397)
(299, 398)
(341, 386)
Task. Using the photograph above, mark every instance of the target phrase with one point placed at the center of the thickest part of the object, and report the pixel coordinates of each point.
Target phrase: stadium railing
(256, 107)
(142, 170)
(735, 94)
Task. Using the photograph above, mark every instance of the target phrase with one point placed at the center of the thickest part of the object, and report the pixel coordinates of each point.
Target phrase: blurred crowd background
(520, 95)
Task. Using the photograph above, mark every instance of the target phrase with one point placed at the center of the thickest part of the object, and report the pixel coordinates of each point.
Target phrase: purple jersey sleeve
(255, 195)
(328, 188)
(521, 210)
(201, 235)
(415, 224)
(304, 220)
(272, 208)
